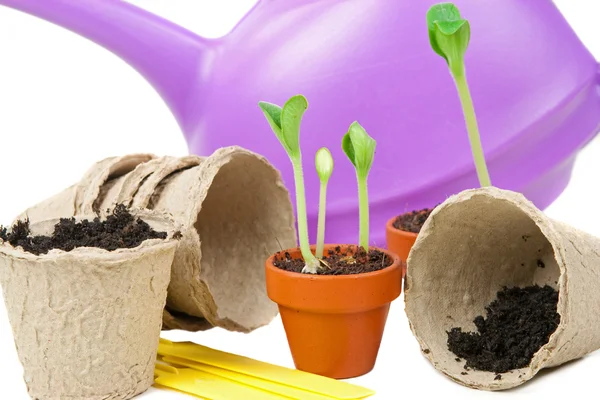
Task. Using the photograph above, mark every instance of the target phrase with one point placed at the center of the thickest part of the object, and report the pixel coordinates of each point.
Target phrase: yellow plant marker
(269, 386)
(164, 369)
(210, 386)
(258, 369)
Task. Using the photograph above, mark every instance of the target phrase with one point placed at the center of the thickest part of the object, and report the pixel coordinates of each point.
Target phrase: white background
(65, 103)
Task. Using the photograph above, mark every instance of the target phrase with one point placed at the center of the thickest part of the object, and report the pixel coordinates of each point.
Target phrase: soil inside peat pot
(412, 221)
(119, 230)
(340, 261)
(518, 323)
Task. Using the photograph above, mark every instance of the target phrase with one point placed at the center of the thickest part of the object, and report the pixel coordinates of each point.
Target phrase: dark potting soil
(119, 230)
(519, 322)
(412, 221)
(340, 262)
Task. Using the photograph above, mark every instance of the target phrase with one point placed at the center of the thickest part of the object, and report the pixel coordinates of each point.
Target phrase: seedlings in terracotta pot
(285, 123)
(360, 149)
(324, 165)
(449, 35)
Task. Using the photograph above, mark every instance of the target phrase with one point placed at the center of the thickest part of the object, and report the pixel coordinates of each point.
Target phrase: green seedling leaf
(273, 114)
(291, 118)
(324, 164)
(449, 34)
(285, 122)
(348, 148)
(360, 148)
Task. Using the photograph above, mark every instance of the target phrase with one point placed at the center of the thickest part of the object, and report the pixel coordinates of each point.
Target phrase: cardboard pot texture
(234, 211)
(480, 240)
(121, 190)
(86, 323)
(73, 200)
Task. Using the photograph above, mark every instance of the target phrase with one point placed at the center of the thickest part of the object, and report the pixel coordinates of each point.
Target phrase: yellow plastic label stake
(248, 380)
(210, 386)
(258, 369)
(161, 369)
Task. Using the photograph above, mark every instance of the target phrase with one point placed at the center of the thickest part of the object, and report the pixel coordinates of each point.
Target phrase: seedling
(360, 149)
(358, 146)
(449, 35)
(285, 123)
(324, 165)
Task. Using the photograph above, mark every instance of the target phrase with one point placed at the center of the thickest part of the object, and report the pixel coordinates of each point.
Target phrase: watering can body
(533, 83)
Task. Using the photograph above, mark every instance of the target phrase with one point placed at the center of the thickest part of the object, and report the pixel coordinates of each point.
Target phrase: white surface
(57, 91)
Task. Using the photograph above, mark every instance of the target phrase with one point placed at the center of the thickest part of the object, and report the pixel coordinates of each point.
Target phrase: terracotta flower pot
(334, 324)
(399, 242)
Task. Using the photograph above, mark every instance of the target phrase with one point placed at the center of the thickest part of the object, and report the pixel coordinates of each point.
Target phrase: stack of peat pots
(234, 211)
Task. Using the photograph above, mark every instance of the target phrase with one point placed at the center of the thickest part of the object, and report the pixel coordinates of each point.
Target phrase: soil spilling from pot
(412, 221)
(340, 262)
(519, 322)
(119, 230)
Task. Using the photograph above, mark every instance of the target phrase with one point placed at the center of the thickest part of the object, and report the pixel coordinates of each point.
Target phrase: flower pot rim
(312, 277)
(334, 294)
(390, 228)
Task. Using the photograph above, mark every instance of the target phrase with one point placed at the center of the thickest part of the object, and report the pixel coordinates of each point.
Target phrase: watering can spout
(167, 55)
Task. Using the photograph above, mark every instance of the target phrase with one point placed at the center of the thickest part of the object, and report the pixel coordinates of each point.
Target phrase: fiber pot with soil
(333, 299)
(496, 291)
(218, 274)
(449, 36)
(85, 298)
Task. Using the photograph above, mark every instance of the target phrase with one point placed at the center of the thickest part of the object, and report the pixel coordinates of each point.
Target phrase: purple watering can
(534, 85)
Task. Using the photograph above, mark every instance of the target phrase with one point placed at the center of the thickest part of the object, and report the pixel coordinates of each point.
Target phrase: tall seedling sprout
(449, 36)
(285, 123)
(360, 149)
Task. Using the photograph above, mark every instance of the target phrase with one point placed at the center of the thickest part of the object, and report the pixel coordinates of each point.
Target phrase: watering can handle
(166, 54)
